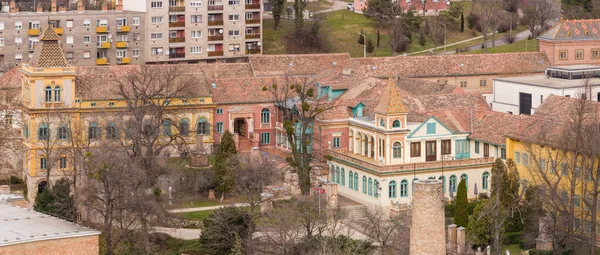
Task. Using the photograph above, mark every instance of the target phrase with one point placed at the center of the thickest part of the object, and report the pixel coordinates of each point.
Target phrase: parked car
(350, 6)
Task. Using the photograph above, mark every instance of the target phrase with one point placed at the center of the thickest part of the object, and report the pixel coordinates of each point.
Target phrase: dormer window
(396, 124)
(382, 123)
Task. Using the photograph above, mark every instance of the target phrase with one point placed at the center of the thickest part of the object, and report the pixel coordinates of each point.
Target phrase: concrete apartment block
(88, 37)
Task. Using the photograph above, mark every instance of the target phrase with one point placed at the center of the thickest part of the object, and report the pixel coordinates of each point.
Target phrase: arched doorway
(240, 127)
(42, 185)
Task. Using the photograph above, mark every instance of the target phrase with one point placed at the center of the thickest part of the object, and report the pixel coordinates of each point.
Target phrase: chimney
(80, 6)
(53, 9)
(104, 7)
(13, 6)
(39, 8)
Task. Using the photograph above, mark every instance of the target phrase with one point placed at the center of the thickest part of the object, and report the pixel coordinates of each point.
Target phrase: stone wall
(427, 232)
(65, 246)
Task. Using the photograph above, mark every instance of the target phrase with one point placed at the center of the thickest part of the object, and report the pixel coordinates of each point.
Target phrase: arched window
(184, 127)
(43, 132)
(48, 94)
(443, 179)
(382, 123)
(57, 94)
(111, 131)
(203, 127)
(265, 116)
(452, 187)
(484, 180)
(93, 131)
(370, 187)
(343, 175)
(404, 188)
(376, 188)
(364, 186)
(397, 150)
(392, 189)
(355, 181)
(62, 133)
(350, 178)
(167, 127)
(337, 174)
(466, 178)
(396, 124)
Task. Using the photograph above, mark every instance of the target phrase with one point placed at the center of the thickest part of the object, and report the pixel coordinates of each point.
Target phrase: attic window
(93, 104)
(111, 103)
(77, 100)
(201, 100)
(291, 64)
(373, 67)
(184, 101)
(334, 63)
(214, 85)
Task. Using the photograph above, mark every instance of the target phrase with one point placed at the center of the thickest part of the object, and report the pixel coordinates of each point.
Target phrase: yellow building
(65, 107)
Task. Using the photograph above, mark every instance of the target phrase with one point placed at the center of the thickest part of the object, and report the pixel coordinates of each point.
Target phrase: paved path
(206, 208)
(180, 233)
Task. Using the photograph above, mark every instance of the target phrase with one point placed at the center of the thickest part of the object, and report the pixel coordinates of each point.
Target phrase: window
(382, 123)
(265, 116)
(234, 2)
(415, 149)
(157, 20)
(518, 157)
(196, 34)
(355, 181)
(404, 188)
(525, 159)
(57, 92)
(63, 133)
(463, 84)
(452, 184)
(249, 16)
(484, 180)
(156, 51)
(43, 163)
(69, 23)
(121, 22)
(477, 147)
(502, 153)
(43, 132)
(121, 53)
(1, 25)
(196, 4)
(26, 131)
(447, 147)
(397, 150)
(18, 41)
(578, 54)
(62, 162)
(111, 104)
(184, 127)
(265, 138)
(93, 104)
(156, 36)
(87, 54)
(350, 180)
(396, 124)
(343, 177)
(111, 131)
(196, 49)
(86, 39)
(48, 94)
(234, 32)
(234, 47)
(562, 55)
(364, 184)
(167, 128)
(219, 127)
(443, 179)
(93, 131)
(370, 187)
(234, 17)
(87, 23)
(392, 189)
(196, 19)
(336, 142)
(595, 53)
(136, 52)
(430, 128)
(135, 21)
(156, 4)
(482, 83)
(102, 23)
(18, 25)
(202, 128)
(219, 111)
(577, 201)
(69, 39)
(1, 41)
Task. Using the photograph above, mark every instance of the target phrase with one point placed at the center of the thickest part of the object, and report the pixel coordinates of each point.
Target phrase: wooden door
(430, 151)
(486, 150)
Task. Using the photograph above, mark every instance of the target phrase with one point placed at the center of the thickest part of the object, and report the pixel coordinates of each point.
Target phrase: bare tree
(386, 229)
(488, 11)
(538, 13)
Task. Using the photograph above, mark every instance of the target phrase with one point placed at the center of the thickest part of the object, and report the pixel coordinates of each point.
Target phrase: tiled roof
(48, 52)
(11, 79)
(300, 64)
(391, 101)
(430, 5)
(561, 109)
(451, 65)
(247, 90)
(419, 87)
(573, 30)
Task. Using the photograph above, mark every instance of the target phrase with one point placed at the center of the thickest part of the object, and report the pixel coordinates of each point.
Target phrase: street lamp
(445, 35)
(364, 45)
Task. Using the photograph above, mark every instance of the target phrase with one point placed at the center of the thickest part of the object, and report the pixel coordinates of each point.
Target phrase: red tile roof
(430, 5)
(452, 65)
(573, 30)
(11, 79)
(300, 64)
(48, 52)
(248, 90)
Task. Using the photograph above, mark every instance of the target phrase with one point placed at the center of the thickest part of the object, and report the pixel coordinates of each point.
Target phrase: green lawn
(520, 46)
(188, 203)
(513, 249)
(199, 216)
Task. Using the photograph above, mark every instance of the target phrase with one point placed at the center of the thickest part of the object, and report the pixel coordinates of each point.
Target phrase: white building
(522, 95)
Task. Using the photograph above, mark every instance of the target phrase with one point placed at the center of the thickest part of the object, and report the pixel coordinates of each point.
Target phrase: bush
(370, 46)
(472, 206)
(510, 39)
(472, 20)
(525, 244)
(422, 39)
(513, 237)
(361, 39)
(461, 214)
(15, 180)
(223, 227)
(449, 210)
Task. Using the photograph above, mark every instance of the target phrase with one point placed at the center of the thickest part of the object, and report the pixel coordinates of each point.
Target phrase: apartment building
(88, 37)
(193, 30)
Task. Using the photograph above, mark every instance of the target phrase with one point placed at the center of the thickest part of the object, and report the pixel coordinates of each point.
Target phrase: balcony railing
(177, 9)
(253, 21)
(123, 61)
(123, 29)
(343, 155)
(177, 39)
(59, 30)
(101, 61)
(101, 29)
(103, 45)
(33, 32)
(177, 55)
(122, 45)
(252, 36)
(176, 24)
(253, 51)
(215, 7)
(215, 53)
(215, 22)
(215, 38)
(252, 6)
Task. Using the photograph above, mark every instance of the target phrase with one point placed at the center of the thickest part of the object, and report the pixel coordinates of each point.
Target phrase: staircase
(245, 145)
(356, 212)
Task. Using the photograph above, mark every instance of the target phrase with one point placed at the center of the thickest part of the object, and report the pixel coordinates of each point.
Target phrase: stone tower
(427, 232)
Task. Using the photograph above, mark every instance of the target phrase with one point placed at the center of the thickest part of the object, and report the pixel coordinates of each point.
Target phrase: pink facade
(329, 137)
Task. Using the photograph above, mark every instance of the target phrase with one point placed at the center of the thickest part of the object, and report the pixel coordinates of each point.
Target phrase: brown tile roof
(48, 52)
(300, 64)
(573, 30)
(247, 90)
(419, 87)
(451, 65)
(11, 79)
(560, 109)
(390, 101)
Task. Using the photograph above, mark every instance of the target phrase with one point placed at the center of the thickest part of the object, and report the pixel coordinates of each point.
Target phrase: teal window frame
(376, 188)
(485, 180)
(477, 147)
(392, 189)
(452, 183)
(396, 124)
(167, 128)
(443, 179)
(350, 180)
(370, 190)
(336, 142)
(343, 176)
(404, 188)
(44, 132)
(397, 150)
(265, 138)
(184, 127)
(364, 186)
(356, 181)
(466, 178)
(431, 128)
(265, 116)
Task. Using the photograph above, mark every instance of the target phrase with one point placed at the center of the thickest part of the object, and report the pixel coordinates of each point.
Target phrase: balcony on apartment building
(123, 61)
(33, 31)
(56, 26)
(215, 50)
(178, 39)
(253, 21)
(253, 33)
(176, 6)
(121, 44)
(252, 51)
(123, 29)
(251, 5)
(217, 6)
(177, 21)
(176, 52)
(102, 61)
(215, 53)
(102, 29)
(103, 45)
(215, 19)
(215, 38)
